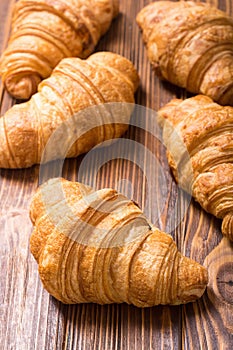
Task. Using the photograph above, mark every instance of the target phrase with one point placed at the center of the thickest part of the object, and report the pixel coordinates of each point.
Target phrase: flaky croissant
(190, 45)
(97, 246)
(74, 85)
(203, 129)
(44, 32)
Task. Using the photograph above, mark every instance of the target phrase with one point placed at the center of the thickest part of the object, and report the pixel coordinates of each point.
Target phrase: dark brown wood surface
(31, 319)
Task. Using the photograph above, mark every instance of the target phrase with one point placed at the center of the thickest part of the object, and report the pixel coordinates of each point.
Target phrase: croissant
(97, 246)
(190, 45)
(74, 85)
(44, 32)
(203, 129)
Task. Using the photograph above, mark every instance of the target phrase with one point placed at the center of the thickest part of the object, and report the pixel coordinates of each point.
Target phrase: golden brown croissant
(97, 246)
(206, 131)
(44, 32)
(74, 85)
(191, 45)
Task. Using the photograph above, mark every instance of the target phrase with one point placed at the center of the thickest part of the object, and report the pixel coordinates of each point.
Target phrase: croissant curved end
(226, 98)
(227, 226)
(121, 64)
(115, 4)
(192, 280)
(22, 86)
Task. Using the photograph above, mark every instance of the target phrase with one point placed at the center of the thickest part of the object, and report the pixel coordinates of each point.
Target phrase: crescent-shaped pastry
(44, 32)
(97, 246)
(190, 44)
(198, 134)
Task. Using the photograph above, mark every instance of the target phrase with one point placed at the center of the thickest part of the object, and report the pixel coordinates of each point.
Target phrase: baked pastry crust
(191, 45)
(46, 31)
(74, 85)
(198, 135)
(97, 246)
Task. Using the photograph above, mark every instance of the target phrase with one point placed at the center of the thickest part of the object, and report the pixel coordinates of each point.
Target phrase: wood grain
(30, 318)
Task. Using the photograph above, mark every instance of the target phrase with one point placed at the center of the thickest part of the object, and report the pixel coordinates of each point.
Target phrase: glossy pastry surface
(46, 31)
(206, 131)
(61, 105)
(97, 246)
(191, 45)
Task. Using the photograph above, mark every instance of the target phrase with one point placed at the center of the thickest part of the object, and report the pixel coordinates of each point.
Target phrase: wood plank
(30, 318)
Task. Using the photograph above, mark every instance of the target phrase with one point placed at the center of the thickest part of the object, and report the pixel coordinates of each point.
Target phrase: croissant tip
(116, 8)
(227, 226)
(192, 280)
(22, 87)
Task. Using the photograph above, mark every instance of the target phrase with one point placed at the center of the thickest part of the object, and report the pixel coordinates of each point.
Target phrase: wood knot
(220, 266)
(225, 282)
(220, 288)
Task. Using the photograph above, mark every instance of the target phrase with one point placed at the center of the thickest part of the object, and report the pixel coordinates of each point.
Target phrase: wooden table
(31, 319)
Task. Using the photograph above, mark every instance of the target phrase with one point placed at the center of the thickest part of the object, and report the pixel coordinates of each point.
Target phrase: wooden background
(31, 319)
